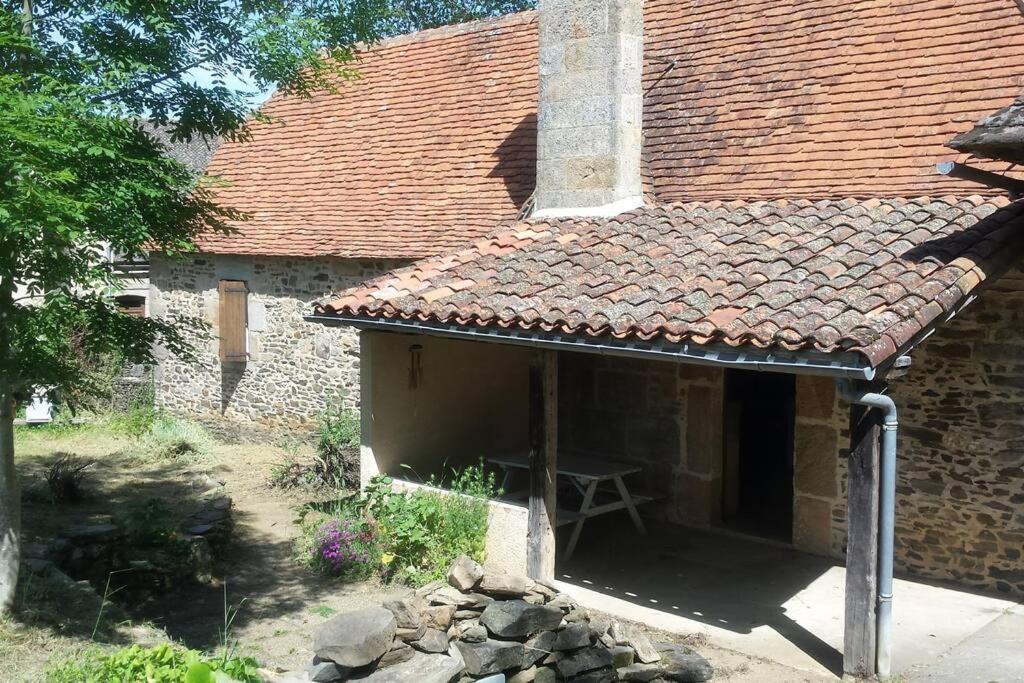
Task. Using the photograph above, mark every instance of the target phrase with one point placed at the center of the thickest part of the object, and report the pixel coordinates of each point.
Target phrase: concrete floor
(770, 601)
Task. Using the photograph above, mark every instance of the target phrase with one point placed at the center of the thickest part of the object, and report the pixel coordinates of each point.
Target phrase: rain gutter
(839, 365)
(886, 518)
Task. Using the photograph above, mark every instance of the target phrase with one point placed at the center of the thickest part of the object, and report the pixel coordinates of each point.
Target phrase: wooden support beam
(860, 631)
(540, 539)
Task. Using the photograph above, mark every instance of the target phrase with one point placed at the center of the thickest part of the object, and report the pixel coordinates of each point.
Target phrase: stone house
(677, 236)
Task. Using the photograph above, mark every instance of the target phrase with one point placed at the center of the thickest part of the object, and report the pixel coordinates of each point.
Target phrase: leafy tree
(78, 174)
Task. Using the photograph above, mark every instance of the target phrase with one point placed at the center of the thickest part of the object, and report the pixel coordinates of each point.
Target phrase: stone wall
(960, 477)
(960, 455)
(294, 367)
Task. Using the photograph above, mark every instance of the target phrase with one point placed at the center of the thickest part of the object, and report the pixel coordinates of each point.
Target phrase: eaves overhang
(848, 365)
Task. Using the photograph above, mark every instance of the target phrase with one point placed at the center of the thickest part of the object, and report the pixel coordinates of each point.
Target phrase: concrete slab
(763, 600)
(995, 654)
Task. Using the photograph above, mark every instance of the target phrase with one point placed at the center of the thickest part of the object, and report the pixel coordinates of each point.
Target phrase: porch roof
(868, 277)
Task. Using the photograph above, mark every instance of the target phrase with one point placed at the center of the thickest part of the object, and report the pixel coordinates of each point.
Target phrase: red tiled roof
(434, 144)
(861, 276)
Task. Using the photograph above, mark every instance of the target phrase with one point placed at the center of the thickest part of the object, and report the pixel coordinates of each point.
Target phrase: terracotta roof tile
(637, 278)
(434, 144)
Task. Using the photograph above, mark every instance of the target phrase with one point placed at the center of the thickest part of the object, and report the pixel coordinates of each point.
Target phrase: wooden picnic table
(586, 474)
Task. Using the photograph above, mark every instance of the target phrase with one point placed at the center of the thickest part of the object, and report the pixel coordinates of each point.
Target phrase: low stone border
(483, 625)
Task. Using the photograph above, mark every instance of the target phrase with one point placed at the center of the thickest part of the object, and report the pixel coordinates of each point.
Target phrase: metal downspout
(886, 522)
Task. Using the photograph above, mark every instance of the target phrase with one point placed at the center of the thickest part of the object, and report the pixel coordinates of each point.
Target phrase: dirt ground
(279, 603)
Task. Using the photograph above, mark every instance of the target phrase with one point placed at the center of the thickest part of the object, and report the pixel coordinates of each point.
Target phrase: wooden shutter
(233, 320)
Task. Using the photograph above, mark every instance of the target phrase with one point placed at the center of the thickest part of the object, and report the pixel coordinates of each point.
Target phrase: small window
(233, 321)
(132, 305)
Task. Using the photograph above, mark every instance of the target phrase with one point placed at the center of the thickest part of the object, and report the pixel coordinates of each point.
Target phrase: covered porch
(771, 601)
(709, 453)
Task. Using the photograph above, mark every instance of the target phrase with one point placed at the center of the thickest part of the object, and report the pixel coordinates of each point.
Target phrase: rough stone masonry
(479, 624)
(294, 367)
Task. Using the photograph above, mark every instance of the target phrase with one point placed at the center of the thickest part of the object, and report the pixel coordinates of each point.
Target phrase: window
(233, 321)
(131, 304)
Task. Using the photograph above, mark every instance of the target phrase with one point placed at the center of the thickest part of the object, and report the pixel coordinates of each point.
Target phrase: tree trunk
(10, 504)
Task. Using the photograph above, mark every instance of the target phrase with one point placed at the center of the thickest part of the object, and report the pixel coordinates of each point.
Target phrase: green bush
(136, 422)
(160, 664)
(413, 536)
(171, 438)
(337, 446)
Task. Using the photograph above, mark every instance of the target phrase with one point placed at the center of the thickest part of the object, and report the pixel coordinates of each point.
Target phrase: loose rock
(645, 651)
(518, 618)
(439, 616)
(326, 672)
(682, 664)
(465, 573)
(640, 673)
(538, 647)
(446, 595)
(490, 656)
(572, 636)
(355, 638)
(433, 641)
(408, 613)
(502, 584)
(584, 660)
(421, 668)
(400, 652)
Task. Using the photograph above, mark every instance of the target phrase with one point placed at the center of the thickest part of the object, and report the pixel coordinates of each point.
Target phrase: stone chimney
(589, 119)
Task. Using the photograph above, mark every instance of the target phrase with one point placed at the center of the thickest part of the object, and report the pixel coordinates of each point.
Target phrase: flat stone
(200, 529)
(508, 585)
(599, 625)
(422, 668)
(538, 647)
(446, 595)
(571, 637)
(685, 666)
(563, 602)
(428, 588)
(639, 672)
(326, 672)
(463, 614)
(473, 633)
(518, 618)
(622, 656)
(399, 652)
(582, 661)
(355, 638)
(577, 614)
(408, 634)
(439, 616)
(490, 656)
(638, 640)
(464, 573)
(544, 588)
(407, 612)
(433, 641)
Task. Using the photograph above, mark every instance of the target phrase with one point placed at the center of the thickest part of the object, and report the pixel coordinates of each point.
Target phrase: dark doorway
(758, 452)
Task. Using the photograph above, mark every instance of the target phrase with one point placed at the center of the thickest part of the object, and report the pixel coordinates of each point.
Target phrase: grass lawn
(279, 601)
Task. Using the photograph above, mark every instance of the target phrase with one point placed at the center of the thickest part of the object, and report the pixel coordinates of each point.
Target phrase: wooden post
(860, 632)
(540, 539)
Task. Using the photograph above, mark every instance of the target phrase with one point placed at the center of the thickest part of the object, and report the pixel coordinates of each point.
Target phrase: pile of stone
(482, 626)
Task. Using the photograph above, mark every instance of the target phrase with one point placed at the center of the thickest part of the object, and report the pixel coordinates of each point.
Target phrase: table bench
(586, 474)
